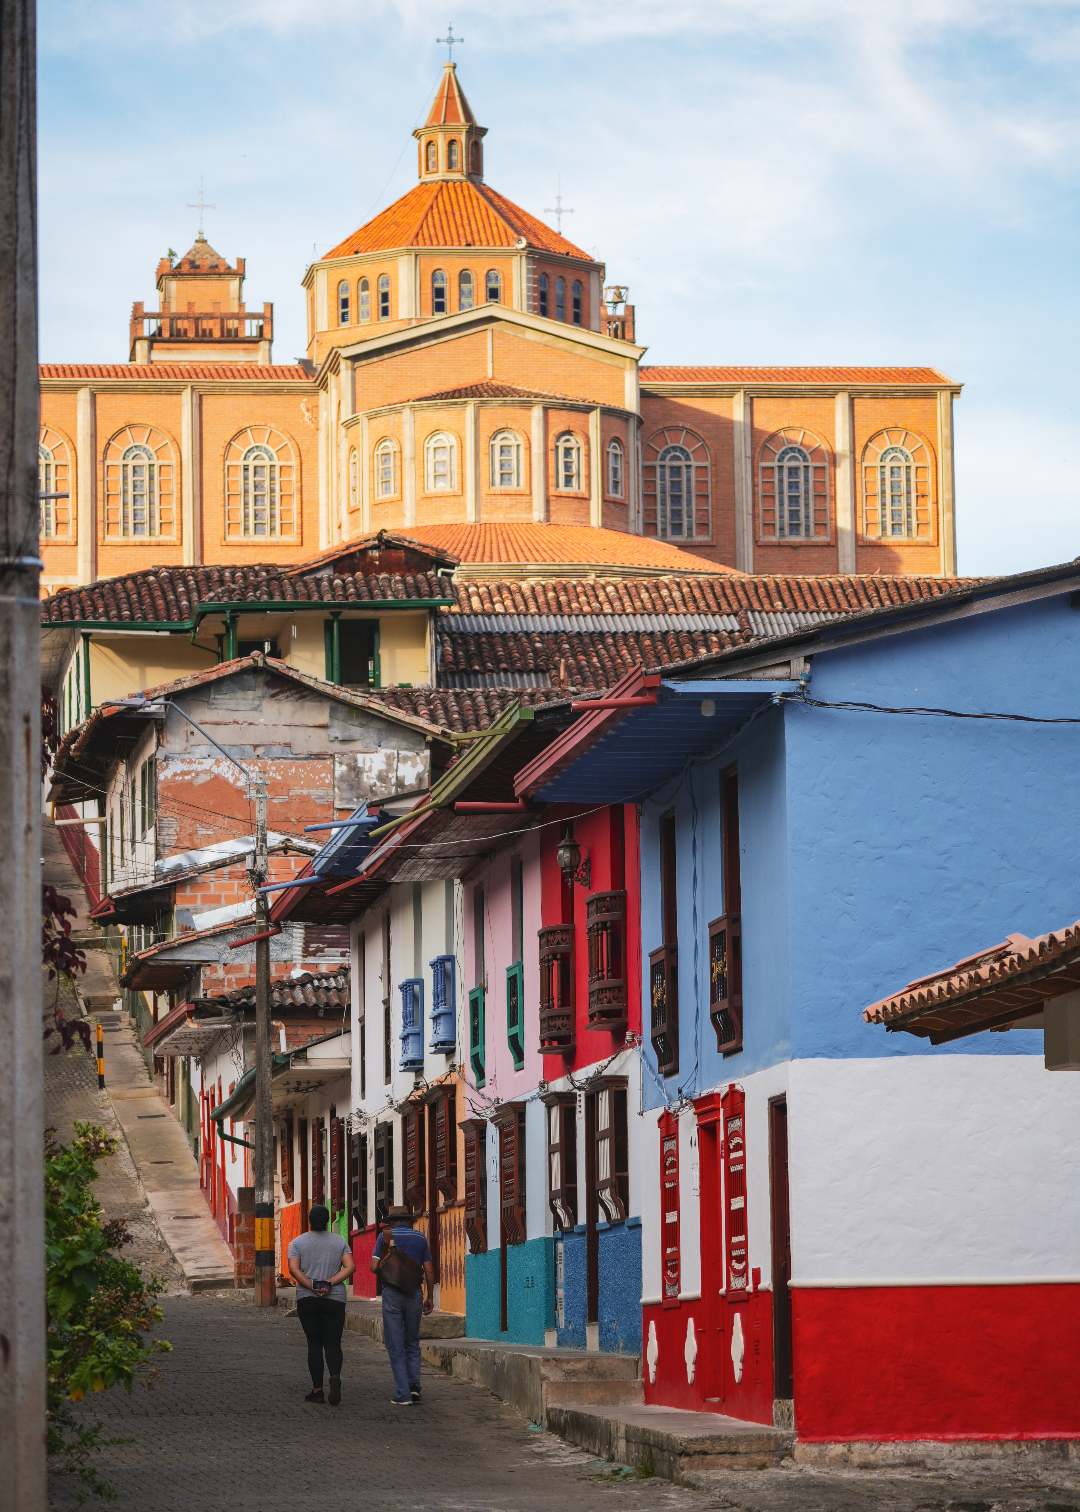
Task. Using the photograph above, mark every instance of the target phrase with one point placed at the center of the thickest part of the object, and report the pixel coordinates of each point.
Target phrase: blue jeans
(401, 1334)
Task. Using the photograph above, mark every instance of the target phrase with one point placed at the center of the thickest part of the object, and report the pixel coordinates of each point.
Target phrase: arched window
(492, 286)
(386, 469)
(343, 303)
(793, 487)
(465, 290)
(506, 459)
(674, 493)
(354, 479)
(438, 292)
(259, 488)
(139, 484)
(440, 463)
(543, 286)
(453, 155)
(431, 157)
(384, 296)
(898, 487)
(475, 161)
(896, 492)
(363, 300)
(560, 299)
(138, 492)
(568, 463)
(46, 486)
(260, 502)
(677, 484)
(55, 477)
(615, 472)
(577, 301)
(794, 493)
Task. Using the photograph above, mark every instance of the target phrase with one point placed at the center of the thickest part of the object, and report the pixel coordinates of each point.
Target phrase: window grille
(443, 1004)
(337, 1164)
(557, 988)
(568, 463)
(506, 460)
(605, 915)
(896, 493)
(47, 485)
(899, 473)
(615, 485)
(440, 463)
(412, 1024)
(259, 492)
(138, 492)
(386, 454)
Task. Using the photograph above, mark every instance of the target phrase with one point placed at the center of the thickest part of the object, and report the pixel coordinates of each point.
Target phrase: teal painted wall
(530, 1293)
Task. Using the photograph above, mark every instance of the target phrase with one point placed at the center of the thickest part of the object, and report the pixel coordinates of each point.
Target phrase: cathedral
(470, 375)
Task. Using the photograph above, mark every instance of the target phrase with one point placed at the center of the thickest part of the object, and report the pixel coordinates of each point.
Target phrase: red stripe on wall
(84, 855)
(937, 1362)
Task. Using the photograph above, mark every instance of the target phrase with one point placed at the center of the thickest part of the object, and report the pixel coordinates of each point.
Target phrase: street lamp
(568, 855)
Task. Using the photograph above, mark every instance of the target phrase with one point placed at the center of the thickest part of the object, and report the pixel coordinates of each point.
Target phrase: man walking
(320, 1262)
(402, 1262)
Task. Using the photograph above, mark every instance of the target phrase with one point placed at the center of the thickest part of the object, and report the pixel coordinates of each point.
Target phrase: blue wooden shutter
(443, 1004)
(412, 1024)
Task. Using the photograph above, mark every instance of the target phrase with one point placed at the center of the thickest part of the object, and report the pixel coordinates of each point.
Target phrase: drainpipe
(86, 674)
(230, 636)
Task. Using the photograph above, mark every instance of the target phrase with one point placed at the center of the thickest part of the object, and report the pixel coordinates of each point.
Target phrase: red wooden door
(783, 1372)
(711, 1347)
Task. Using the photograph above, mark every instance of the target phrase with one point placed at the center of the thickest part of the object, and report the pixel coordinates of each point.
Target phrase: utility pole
(265, 1277)
(22, 1259)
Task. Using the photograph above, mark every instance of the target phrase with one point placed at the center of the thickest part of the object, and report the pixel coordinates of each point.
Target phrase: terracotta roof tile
(453, 213)
(187, 372)
(173, 594)
(489, 390)
(569, 545)
(450, 107)
(1007, 981)
(819, 375)
(462, 710)
(318, 990)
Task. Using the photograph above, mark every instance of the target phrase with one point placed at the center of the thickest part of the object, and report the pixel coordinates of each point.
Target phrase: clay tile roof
(989, 990)
(317, 990)
(823, 375)
(450, 107)
(201, 257)
(163, 595)
(462, 710)
(488, 390)
(184, 372)
(528, 542)
(453, 213)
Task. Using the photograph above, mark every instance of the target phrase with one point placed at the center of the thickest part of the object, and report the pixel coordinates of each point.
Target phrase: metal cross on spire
(202, 204)
(558, 209)
(450, 42)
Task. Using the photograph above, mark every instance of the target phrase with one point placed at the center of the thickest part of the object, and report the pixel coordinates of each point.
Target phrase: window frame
(615, 475)
(921, 488)
(568, 444)
(466, 289)
(363, 301)
(344, 302)
(385, 448)
(577, 302)
(432, 444)
(275, 450)
(543, 296)
(440, 292)
(383, 288)
(697, 498)
(506, 438)
(562, 1158)
(493, 280)
(791, 453)
(611, 1148)
(259, 460)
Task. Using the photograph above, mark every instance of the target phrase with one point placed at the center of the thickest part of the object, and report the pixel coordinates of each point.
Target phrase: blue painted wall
(620, 1287)
(530, 1293)
(570, 1331)
(876, 848)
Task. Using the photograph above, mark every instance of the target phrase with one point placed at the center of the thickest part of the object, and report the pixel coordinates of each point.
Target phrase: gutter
(246, 606)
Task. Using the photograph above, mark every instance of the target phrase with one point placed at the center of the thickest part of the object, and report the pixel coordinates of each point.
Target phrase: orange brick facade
(455, 315)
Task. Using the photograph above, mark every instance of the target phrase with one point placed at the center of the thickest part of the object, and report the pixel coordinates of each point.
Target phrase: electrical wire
(927, 712)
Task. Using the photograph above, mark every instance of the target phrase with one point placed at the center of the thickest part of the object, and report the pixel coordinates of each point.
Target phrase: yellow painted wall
(403, 649)
(126, 664)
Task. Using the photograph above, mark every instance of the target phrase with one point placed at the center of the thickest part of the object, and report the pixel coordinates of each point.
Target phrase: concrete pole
(22, 1265)
(265, 1277)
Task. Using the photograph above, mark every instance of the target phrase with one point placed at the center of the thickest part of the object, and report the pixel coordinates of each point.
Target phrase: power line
(928, 712)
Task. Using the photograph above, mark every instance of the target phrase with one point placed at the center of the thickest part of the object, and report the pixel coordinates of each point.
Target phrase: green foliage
(100, 1308)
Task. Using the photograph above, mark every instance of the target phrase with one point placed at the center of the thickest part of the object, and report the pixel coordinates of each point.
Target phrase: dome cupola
(450, 143)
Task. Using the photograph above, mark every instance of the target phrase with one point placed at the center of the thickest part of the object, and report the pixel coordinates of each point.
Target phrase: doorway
(783, 1360)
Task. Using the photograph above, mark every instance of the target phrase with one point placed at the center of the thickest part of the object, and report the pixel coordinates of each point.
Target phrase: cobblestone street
(223, 1422)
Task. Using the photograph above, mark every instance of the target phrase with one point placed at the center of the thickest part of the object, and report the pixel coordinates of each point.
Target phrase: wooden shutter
(725, 934)
(318, 1155)
(358, 1182)
(412, 1024)
(736, 1257)
(611, 1163)
(475, 1131)
(384, 1169)
(477, 1017)
(443, 1004)
(562, 1158)
(557, 988)
(337, 1164)
(286, 1148)
(605, 917)
(515, 1013)
(445, 1172)
(413, 1128)
(511, 1124)
(664, 962)
(670, 1212)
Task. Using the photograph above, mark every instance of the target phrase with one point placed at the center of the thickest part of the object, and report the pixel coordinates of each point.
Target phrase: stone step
(533, 1379)
(365, 1316)
(665, 1441)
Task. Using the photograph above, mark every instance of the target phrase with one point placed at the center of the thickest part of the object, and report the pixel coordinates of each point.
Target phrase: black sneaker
(335, 1391)
(396, 1401)
(315, 1396)
(414, 1393)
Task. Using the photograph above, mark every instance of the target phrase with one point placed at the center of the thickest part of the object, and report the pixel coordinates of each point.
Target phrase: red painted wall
(363, 1245)
(609, 838)
(82, 851)
(937, 1362)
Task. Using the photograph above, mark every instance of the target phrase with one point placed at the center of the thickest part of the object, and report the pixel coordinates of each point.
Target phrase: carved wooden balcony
(557, 988)
(725, 983)
(605, 916)
(664, 1007)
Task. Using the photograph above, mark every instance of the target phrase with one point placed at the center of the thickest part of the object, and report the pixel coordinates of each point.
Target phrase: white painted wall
(935, 1168)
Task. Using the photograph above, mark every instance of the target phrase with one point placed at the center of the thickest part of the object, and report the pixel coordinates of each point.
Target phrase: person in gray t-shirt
(320, 1262)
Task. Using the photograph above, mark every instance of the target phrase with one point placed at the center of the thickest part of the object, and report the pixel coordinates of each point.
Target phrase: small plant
(100, 1309)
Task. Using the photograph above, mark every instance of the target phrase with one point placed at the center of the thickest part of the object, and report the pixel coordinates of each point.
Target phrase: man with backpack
(402, 1262)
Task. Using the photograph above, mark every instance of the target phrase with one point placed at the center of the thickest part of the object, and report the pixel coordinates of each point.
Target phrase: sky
(800, 181)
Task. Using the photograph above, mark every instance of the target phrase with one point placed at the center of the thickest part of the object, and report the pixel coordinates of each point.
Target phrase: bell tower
(201, 313)
(450, 143)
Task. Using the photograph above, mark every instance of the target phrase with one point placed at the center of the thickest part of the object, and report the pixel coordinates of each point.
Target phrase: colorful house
(830, 1221)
